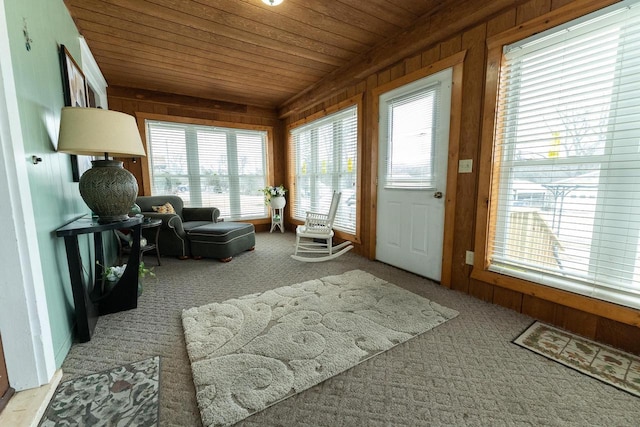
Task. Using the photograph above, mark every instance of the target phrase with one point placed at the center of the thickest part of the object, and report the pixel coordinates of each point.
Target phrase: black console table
(91, 299)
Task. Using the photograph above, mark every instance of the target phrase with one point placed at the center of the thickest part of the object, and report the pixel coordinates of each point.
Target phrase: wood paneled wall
(472, 39)
(443, 44)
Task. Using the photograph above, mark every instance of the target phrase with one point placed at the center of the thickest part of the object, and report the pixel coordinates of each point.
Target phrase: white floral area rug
(123, 396)
(614, 367)
(252, 352)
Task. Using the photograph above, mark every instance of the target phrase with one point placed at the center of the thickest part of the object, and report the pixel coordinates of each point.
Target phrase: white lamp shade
(94, 131)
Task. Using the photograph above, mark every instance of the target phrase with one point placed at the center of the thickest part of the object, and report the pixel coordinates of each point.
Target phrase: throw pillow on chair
(167, 208)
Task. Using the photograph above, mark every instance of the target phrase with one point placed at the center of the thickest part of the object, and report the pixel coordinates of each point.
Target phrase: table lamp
(107, 188)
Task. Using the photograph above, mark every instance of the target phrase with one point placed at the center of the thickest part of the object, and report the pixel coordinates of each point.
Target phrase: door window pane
(412, 126)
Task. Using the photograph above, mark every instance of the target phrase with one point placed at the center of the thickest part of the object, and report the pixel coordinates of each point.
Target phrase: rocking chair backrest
(322, 223)
(335, 199)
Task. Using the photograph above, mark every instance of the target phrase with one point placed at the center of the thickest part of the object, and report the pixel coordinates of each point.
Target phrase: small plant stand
(277, 219)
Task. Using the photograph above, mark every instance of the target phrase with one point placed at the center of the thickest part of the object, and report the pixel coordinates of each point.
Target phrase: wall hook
(35, 159)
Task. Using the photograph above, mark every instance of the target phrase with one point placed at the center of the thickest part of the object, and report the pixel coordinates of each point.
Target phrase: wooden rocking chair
(314, 239)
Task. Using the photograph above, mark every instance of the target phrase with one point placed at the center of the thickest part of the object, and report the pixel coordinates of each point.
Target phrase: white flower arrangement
(113, 274)
(271, 191)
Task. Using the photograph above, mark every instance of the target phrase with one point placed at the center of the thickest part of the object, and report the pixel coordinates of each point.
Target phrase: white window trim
(92, 72)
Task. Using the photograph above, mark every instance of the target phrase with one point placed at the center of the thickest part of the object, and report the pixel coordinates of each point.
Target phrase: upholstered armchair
(172, 239)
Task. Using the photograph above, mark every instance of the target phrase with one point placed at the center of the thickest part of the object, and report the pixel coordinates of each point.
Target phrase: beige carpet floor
(465, 372)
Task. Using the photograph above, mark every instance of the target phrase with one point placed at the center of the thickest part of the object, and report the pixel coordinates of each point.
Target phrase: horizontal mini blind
(324, 158)
(567, 181)
(209, 166)
(412, 124)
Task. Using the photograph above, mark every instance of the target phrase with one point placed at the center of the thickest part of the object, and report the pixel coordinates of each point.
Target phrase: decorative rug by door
(252, 352)
(123, 396)
(614, 367)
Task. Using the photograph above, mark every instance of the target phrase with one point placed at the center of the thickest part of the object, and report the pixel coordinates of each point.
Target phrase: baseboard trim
(4, 399)
(26, 408)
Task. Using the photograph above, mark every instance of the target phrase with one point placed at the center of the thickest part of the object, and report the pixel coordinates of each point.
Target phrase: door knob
(438, 194)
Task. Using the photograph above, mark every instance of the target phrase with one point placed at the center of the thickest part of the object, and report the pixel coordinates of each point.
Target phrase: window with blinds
(324, 157)
(411, 126)
(209, 166)
(566, 181)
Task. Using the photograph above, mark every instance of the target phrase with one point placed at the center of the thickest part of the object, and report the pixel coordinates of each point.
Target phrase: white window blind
(567, 155)
(209, 166)
(324, 158)
(412, 123)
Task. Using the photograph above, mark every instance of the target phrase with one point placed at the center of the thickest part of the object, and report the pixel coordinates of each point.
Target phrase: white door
(412, 174)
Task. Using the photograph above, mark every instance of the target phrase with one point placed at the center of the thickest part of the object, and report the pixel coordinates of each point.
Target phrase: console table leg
(86, 311)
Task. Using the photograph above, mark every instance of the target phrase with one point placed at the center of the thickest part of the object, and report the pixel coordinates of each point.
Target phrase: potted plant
(274, 196)
(112, 274)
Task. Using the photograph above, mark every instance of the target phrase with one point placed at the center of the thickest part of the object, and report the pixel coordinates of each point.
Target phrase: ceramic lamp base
(109, 190)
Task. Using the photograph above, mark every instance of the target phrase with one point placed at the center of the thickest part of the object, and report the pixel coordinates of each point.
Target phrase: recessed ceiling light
(272, 2)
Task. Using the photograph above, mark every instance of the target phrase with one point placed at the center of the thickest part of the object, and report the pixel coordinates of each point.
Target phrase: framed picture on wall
(74, 86)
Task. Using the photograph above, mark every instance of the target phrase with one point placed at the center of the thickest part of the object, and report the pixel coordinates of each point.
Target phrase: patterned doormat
(123, 396)
(607, 364)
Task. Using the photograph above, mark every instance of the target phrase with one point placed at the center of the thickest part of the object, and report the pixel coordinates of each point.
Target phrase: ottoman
(221, 240)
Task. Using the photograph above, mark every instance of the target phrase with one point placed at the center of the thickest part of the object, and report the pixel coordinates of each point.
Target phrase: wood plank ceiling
(240, 51)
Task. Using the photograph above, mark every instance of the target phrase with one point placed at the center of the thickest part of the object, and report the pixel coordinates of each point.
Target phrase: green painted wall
(56, 199)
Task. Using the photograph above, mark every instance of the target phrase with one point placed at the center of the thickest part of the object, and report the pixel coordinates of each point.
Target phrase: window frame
(350, 102)
(145, 164)
(489, 159)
